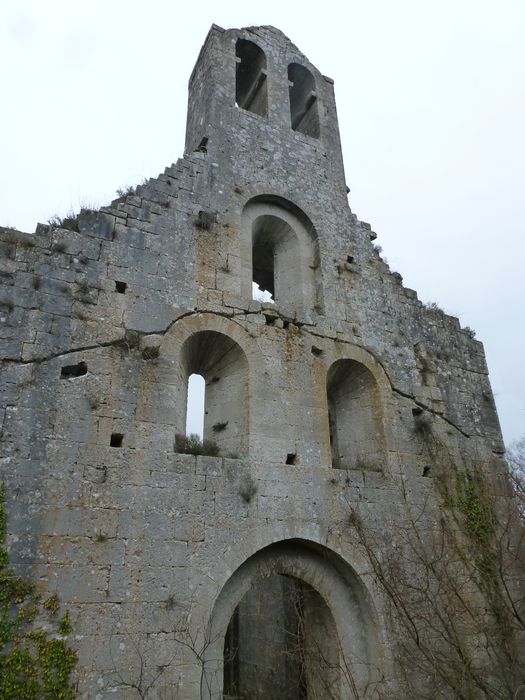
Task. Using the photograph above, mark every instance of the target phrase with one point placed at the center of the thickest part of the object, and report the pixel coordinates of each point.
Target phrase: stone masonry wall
(137, 540)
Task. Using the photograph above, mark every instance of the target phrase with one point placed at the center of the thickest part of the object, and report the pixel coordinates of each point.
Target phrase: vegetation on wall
(35, 659)
(457, 599)
(193, 445)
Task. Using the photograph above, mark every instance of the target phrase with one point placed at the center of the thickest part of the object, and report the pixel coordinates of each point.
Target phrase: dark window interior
(303, 100)
(251, 90)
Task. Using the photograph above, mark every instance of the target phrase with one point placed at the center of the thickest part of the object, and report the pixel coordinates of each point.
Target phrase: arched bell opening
(304, 113)
(251, 89)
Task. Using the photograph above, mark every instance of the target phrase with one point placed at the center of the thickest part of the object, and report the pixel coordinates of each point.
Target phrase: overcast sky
(431, 103)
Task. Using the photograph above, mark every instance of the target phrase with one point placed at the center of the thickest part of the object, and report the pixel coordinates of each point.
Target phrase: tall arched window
(224, 367)
(275, 257)
(355, 417)
(304, 114)
(281, 257)
(195, 405)
(251, 90)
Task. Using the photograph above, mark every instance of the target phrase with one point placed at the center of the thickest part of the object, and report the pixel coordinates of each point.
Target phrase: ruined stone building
(355, 426)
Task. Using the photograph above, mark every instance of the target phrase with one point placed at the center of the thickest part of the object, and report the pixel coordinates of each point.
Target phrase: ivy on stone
(34, 664)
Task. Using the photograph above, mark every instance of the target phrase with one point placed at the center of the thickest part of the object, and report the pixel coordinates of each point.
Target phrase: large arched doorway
(294, 622)
(281, 644)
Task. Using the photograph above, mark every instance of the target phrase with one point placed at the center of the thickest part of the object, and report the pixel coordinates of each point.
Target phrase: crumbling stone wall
(100, 328)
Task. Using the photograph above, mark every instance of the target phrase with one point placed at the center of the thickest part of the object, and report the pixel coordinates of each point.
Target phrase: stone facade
(326, 396)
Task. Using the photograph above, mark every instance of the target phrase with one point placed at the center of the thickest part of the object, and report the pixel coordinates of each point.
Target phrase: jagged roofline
(263, 29)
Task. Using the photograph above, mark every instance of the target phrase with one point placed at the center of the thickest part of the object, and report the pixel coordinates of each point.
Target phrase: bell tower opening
(251, 90)
(304, 114)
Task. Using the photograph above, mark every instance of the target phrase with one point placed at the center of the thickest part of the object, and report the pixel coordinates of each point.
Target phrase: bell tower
(264, 107)
(318, 541)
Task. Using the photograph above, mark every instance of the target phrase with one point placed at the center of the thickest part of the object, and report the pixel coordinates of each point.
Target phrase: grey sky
(431, 102)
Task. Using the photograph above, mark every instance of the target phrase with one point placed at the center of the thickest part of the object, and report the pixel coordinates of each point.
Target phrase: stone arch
(339, 604)
(280, 252)
(222, 352)
(323, 372)
(251, 90)
(304, 113)
(355, 416)
(224, 367)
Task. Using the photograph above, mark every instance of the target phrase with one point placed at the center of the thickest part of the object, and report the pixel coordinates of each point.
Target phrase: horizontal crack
(431, 410)
(108, 343)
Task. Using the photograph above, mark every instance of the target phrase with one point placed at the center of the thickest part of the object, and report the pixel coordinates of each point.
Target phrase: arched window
(304, 114)
(222, 364)
(195, 405)
(251, 90)
(355, 417)
(281, 642)
(281, 257)
(275, 258)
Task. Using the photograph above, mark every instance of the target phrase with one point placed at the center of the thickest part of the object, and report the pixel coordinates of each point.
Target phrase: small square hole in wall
(116, 440)
(71, 371)
(121, 287)
(291, 458)
(350, 259)
(426, 471)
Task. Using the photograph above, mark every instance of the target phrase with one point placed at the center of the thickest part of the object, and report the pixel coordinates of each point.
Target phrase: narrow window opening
(251, 90)
(291, 458)
(71, 371)
(350, 259)
(304, 114)
(121, 287)
(116, 440)
(316, 351)
(195, 406)
(263, 260)
(426, 471)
